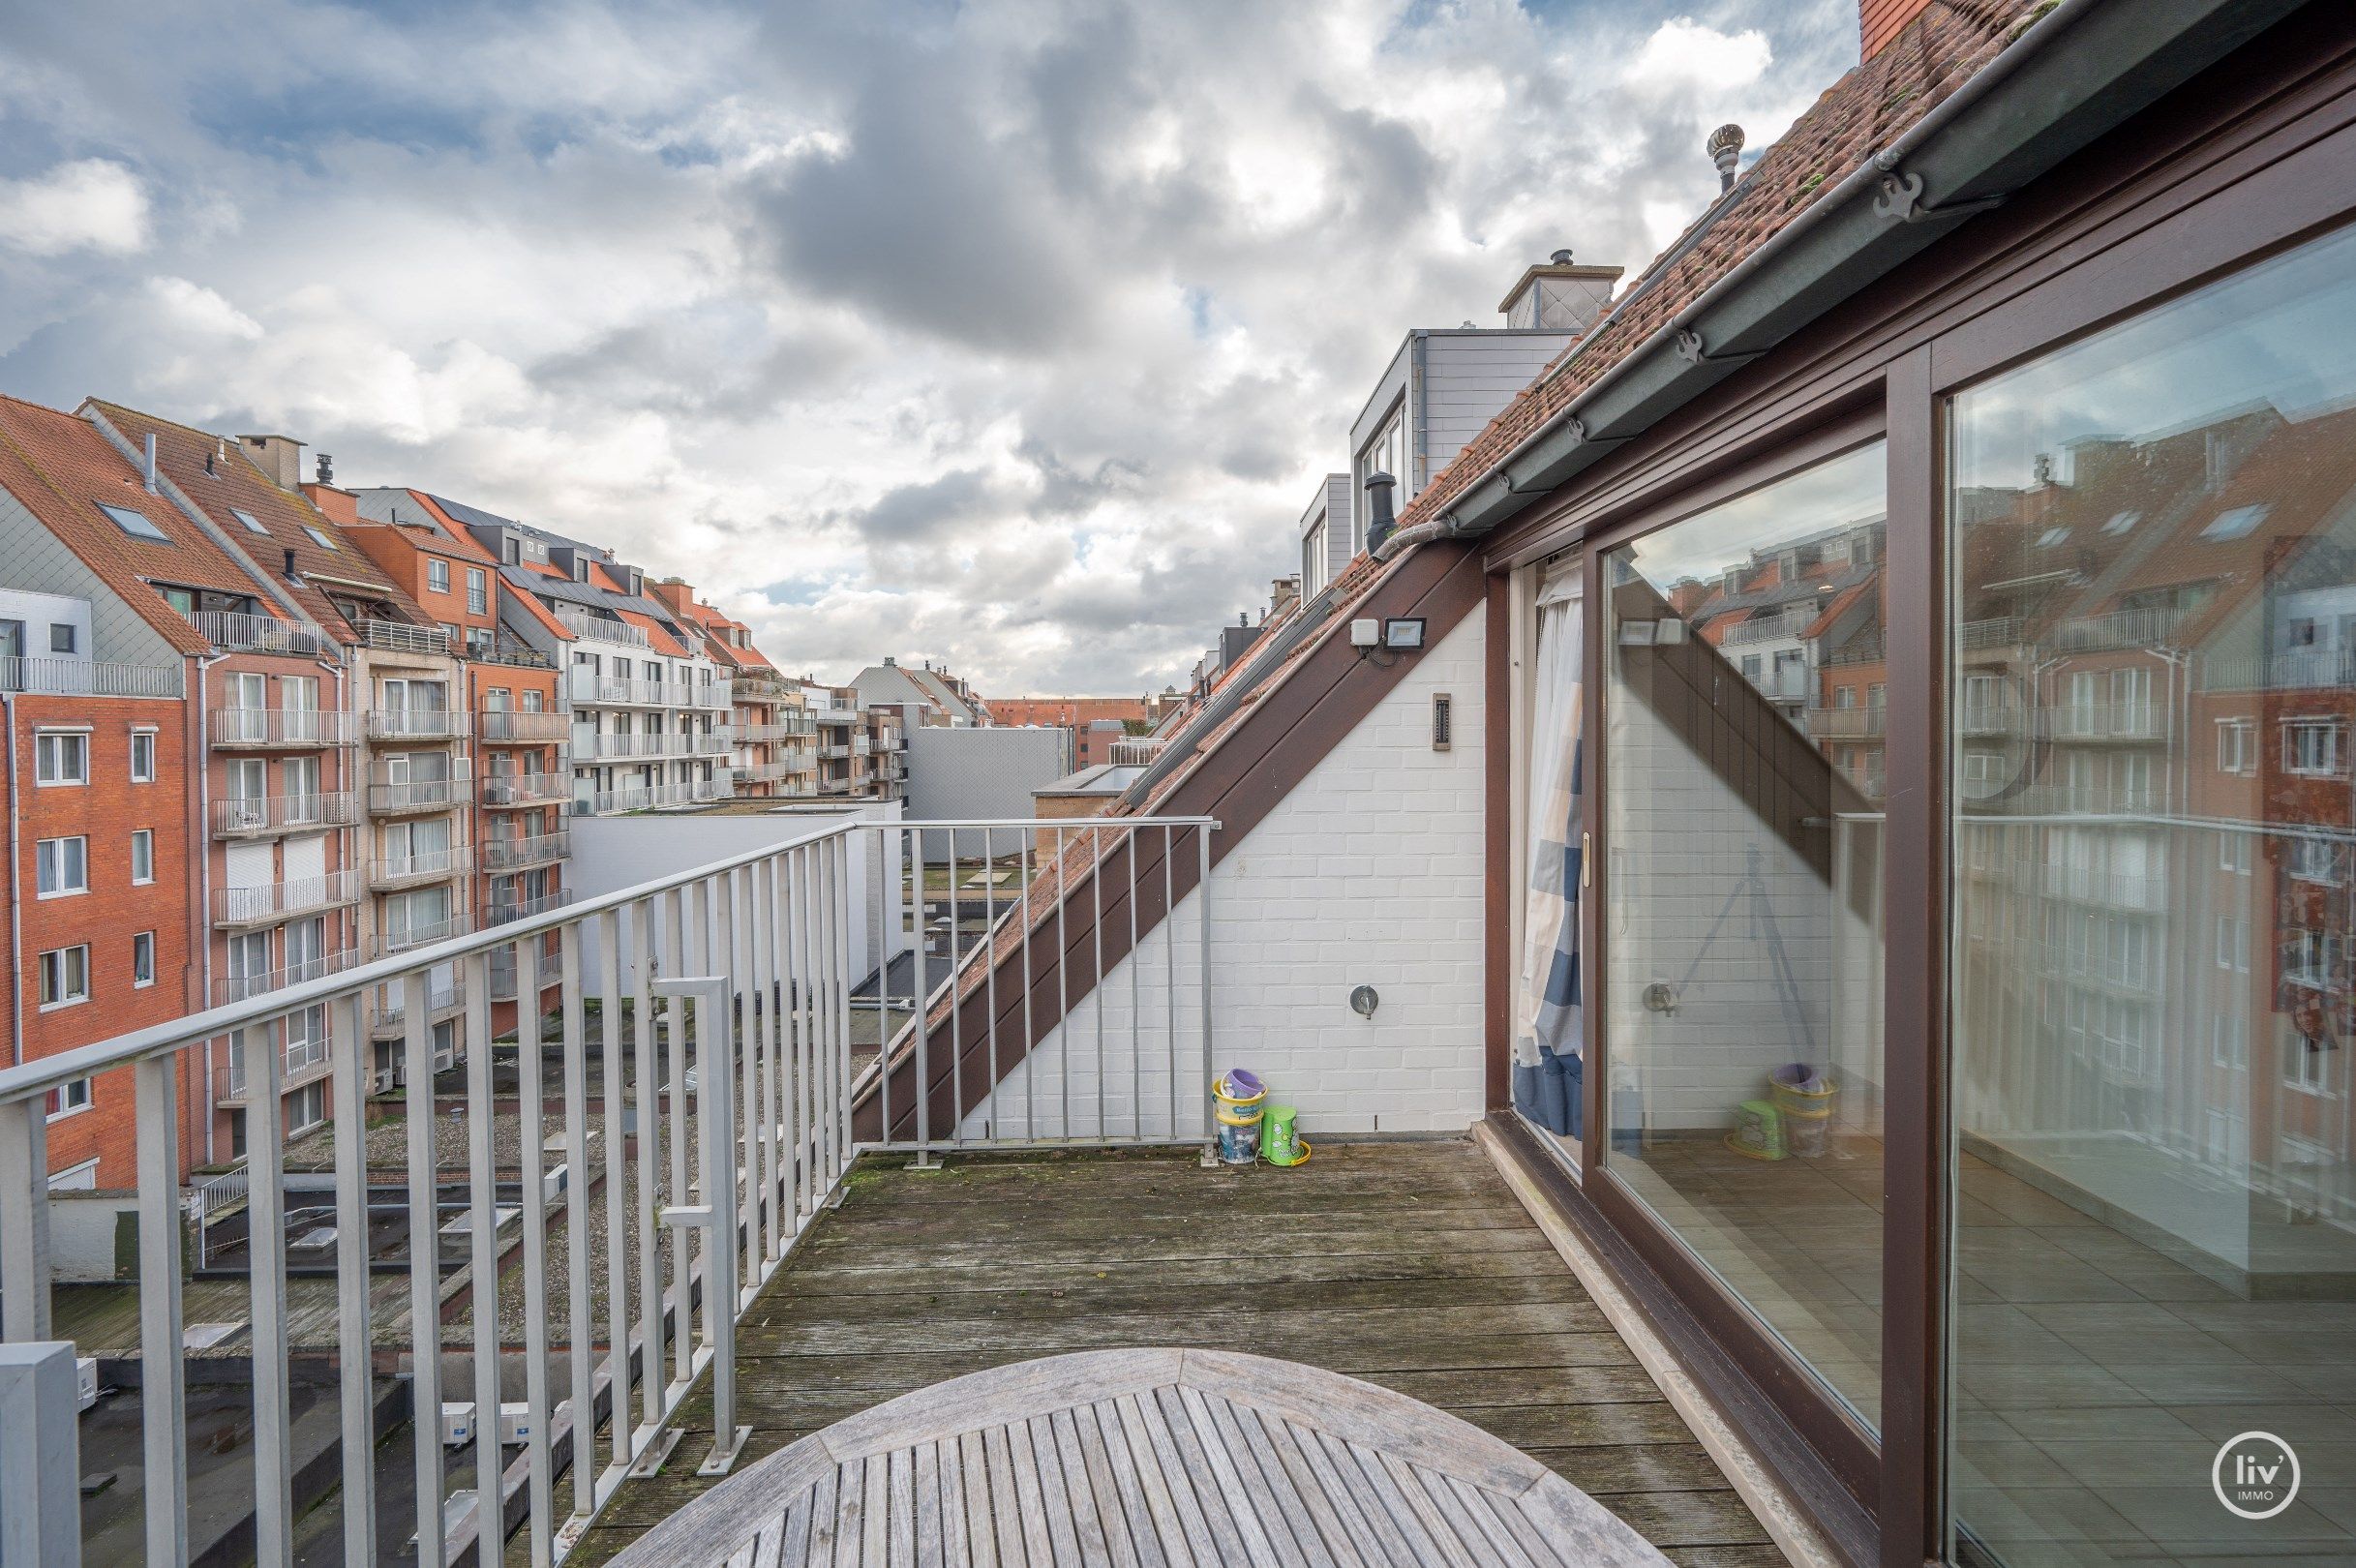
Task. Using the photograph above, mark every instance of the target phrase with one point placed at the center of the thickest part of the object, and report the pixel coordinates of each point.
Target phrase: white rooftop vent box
(457, 1425)
(85, 1382)
(515, 1425)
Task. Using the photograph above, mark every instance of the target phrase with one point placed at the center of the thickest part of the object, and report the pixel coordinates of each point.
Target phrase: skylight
(253, 524)
(135, 525)
(318, 538)
(2122, 522)
(2235, 524)
(2051, 537)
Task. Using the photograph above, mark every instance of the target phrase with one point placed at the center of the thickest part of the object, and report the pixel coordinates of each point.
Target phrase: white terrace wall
(1369, 872)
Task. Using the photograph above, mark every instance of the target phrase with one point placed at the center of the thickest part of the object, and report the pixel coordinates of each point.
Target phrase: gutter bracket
(1901, 200)
(1690, 350)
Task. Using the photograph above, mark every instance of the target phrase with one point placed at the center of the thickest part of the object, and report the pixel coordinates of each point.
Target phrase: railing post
(1203, 904)
(24, 1220)
(163, 1406)
(716, 1215)
(40, 1509)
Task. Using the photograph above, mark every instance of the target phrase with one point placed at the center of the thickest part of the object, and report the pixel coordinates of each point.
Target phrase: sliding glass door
(2151, 660)
(1742, 920)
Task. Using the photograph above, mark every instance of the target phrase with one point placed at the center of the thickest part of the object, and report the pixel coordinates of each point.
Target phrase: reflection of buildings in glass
(2153, 713)
(1803, 622)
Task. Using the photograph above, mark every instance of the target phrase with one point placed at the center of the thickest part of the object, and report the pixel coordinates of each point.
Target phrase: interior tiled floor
(2096, 1377)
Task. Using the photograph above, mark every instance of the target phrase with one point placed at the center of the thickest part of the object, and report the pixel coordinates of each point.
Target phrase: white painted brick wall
(1369, 872)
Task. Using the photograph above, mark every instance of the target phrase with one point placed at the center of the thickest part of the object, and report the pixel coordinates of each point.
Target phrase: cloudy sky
(1013, 335)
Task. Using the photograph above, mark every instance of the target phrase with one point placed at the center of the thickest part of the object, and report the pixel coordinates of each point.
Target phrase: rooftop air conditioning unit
(386, 1079)
(457, 1425)
(85, 1382)
(515, 1425)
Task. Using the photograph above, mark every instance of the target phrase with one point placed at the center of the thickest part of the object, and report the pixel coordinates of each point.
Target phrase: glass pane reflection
(2154, 699)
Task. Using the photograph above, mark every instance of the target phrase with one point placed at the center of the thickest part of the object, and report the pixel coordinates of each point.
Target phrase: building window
(142, 855)
(62, 867)
(437, 576)
(143, 756)
(143, 959)
(2309, 1066)
(65, 977)
(61, 637)
(2237, 749)
(306, 1107)
(478, 591)
(61, 757)
(135, 525)
(68, 1098)
(2311, 747)
(2313, 860)
(2229, 1040)
(318, 538)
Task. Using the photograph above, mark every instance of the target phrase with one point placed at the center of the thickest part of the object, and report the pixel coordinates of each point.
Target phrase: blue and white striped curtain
(1549, 999)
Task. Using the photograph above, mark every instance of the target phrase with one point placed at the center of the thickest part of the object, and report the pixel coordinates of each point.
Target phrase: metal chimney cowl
(1380, 520)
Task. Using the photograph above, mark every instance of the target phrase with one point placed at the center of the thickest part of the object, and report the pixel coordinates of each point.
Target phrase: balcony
(718, 743)
(388, 872)
(276, 901)
(612, 747)
(302, 1060)
(2151, 628)
(756, 734)
(655, 797)
(602, 628)
(508, 912)
(232, 989)
(1979, 720)
(277, 728)
(89, 677)
(409, 798)
(834, 753)
(1845, 723)
(507, 791)
(2103, 721)
(404, 936)
(265, 816)
(508, 727)
(1116, 1248)
(400, 637)
(233, 632)
(1779, 626)
(515, 854)
(1138, 751)
(415, 726)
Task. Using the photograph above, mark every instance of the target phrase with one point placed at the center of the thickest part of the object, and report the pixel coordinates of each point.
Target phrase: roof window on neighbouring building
(253, 524)
(2122, 522)
(135, 525)
(2051, 537)
(2235, 524)
(318, 538)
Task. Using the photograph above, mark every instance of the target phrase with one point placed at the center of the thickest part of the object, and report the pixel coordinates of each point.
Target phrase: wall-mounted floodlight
(1402, 632)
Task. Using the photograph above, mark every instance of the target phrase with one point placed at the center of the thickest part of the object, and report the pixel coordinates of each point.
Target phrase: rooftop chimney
(1379, 520)
(1725, 149)
(280, 457)
(1283, 595)
(1881, 21)
(326, 469)
(1559, 295)
(147, 465)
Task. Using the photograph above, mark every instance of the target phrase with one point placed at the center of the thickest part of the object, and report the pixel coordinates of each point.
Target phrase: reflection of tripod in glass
(1753, 887)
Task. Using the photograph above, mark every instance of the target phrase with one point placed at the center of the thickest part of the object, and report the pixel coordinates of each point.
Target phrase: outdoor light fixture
(1402, 632)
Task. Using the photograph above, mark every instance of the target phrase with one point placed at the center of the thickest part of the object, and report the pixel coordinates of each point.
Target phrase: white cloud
(88, 204)
(1013, 334)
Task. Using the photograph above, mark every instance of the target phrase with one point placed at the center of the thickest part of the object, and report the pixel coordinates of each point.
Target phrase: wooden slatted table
(1147, 1458)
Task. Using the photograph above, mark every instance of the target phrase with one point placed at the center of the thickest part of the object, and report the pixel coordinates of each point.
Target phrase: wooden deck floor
(1406, 1264)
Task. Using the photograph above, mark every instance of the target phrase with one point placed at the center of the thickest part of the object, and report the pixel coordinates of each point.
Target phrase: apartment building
(774, 738)
(1095, 722)
(650, 706)
(514, 790)
(931, 688)
(843, 744)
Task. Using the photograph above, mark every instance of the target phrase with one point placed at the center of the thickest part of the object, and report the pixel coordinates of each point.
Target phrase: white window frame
(55, 959)
(142, 956)
(143, 756)
(437, 575)
(50, 856)
(143, 841)
(2236, 746)
(2295, 732)
(49, 753)
(69, 1099)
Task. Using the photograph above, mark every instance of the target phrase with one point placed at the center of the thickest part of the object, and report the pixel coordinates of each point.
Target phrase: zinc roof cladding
(450, 534)
(181, 451)
(60, 469)
(1862, 112)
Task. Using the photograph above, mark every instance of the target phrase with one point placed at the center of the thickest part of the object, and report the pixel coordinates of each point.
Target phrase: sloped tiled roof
(1859, 114)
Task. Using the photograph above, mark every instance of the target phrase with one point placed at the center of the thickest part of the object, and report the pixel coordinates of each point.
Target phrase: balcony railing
(275, 901)
(2103, 721)
(834, 753)
(1988, 718)
(507, 726)
(255, 729)
(513, 854)
(234, 632)
(655, 797)
(506, 913)
(400, 637)
(302, 1059)
(229, 990)
(543, 965)
(445, 990)
(1138, 751)
(581, 623)
(89, 677)
(390, 799)
(257, 816)
(718, 743)
(1779, 626)
(428, 865)
(1846, 723)
(2120, 628)
(416, 724)
(411, 935)
(755, 734)
(504, 790)
(769, 1007)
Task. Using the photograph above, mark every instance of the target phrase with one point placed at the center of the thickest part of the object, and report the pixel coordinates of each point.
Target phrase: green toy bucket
(1280, 1141)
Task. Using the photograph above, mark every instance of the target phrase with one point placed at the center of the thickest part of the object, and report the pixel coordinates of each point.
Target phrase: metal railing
(581, 623)
(651, 797)
(718, 743)
(303, 727)
(400, 637)
(284, 900)
(1847, 723)
(388, 1005)
(2149, 627)
(526, 789)
(1770, 628)
(235, 632)
(538, 849)
(714, 1094)
(506, 912)
(512, 726)
(229, 990)
(241, 816)
(1137, 752)
(428, 865)
(387, 797)
(88, 678)
(416, 724)
(416, 934)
